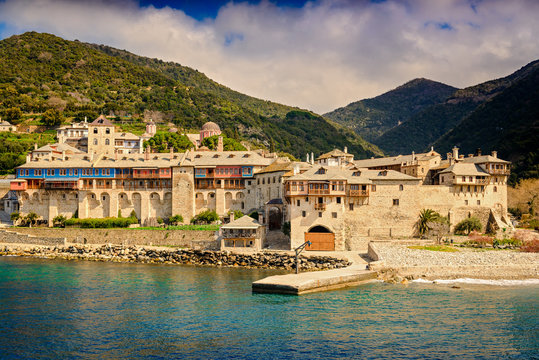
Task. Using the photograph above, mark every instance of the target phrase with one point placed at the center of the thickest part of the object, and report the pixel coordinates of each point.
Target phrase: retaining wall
(196, 239)
(18, 238)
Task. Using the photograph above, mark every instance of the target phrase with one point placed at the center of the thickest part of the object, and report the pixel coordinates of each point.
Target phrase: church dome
(211, 126)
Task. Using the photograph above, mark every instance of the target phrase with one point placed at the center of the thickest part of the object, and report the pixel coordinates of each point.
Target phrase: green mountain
(42, 71)
(508, 123)
(371, 118)
(423, 129)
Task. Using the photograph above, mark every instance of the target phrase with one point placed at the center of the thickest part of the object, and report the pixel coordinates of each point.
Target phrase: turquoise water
(60, 309)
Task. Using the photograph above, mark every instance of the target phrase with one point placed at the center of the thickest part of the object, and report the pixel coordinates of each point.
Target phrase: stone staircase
(276, 240)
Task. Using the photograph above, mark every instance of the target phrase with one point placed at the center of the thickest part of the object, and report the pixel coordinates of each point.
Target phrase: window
(373, 188)
(107, 142)
(70, 172)
(95, 141)
(464, 179)
(303, 214)
(107, 131)
(465, 202)
(298, 202)
(249, 182)
(37, 172)
(401, 187)
(495, 189)
(478, 202)
(351, 206)
(338, 199)
(396, 202)
(334, 215)
(76, 172)
(63, 172)
(319, 214)
(50, 172)
(306, 199)
(95, 130)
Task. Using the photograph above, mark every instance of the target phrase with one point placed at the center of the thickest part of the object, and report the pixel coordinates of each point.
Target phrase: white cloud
(320, 57)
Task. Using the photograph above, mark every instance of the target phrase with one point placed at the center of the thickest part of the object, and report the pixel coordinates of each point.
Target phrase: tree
(52, 117)
(175, 220)
(228, 143)
(466, 226)
(205, 217)
(30, 218)
(15, 216)
(13, 115)
(59, 221)
(426, 216)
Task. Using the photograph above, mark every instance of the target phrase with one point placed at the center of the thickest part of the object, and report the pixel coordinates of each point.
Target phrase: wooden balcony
(358, 193)
(482, 181)
(499, 171)
(320, 206)
(319, 191)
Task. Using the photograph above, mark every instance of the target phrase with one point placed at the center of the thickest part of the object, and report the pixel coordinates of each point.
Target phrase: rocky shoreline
(146, 255)
(396, 263)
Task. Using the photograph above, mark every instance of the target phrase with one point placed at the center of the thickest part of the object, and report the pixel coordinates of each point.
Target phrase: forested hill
(42, 71)
(370, 118)
(423, 129)
(509, 123)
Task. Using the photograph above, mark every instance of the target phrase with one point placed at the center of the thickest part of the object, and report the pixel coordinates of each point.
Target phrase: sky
(317, 54)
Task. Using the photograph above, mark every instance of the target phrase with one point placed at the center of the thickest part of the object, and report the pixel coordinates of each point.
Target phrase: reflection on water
(59, 309)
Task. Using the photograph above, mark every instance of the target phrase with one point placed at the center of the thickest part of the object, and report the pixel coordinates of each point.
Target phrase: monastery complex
(333, 200)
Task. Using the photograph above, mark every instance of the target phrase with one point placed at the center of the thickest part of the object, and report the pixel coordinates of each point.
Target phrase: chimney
(28, 157)
(35, 146)
(455, 152)
(171, 153)
(147, 153)
(63, 155)
(307, 158)
(470, 155)
(312, 158)
(413, 155)
(478, 152)
(220, 144)
(346, 149)
(85, 119)
(296, 168)
(494, 154)
(231, 216)
(261, 218)
(461, 156)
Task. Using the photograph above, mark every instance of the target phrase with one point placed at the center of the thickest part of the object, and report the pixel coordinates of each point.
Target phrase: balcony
(499, 171)
(320, 206)
(358, 193)
(318, 191)
(482, 181)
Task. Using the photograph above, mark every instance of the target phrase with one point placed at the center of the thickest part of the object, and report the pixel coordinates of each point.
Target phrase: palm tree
(426, 216)
(30, 218)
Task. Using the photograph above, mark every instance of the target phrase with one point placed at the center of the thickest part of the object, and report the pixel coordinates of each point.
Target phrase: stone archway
(275, 218)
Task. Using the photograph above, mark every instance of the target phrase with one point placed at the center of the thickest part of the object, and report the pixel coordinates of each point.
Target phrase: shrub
(52, 117)
(286, 228)
(530, 246)
(466, 226)
(254, 215)
(478, 240)
(110, 222)
(160, 220)
(119, 213)
(133, 214)
(175, 220)
(205, 217)
(511, 243)
(59, 221)
(15, 216)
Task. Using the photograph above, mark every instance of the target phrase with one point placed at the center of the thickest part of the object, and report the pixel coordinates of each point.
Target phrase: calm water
(59, 309)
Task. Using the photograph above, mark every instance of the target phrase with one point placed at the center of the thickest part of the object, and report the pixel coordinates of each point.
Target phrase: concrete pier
(308, 282)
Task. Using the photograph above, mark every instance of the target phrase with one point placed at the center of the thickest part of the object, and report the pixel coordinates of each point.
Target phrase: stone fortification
(263, 260)
(197, 239)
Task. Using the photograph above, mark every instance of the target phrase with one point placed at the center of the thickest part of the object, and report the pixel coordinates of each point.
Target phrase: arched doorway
(275, 218)
(321, 238)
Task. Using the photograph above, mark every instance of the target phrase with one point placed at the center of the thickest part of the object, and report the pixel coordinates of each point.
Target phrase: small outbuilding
(243, 233)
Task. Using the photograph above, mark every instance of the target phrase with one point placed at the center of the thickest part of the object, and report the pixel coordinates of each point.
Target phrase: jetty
(314, 281)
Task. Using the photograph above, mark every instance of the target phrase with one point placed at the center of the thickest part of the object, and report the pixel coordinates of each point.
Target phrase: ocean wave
(498, 282)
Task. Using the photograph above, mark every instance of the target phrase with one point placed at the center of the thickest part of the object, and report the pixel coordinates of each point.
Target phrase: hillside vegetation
(42, 71)
(370, 118)
(423, 129)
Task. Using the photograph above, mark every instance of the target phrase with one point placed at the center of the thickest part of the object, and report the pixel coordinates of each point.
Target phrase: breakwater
(116, 253)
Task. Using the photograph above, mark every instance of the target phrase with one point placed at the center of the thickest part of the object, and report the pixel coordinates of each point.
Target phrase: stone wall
(13, 237)
(186, 238)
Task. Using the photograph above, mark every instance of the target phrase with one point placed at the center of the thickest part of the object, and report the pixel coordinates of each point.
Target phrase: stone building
(342, 207)
(6, 126)
(75, 135)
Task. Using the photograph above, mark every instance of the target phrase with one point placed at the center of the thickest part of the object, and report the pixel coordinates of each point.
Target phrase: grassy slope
(40, 71)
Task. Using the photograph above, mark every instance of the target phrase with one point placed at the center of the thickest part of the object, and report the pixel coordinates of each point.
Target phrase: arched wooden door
(321, 239)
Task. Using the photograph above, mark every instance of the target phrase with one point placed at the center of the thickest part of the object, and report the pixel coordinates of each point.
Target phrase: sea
(56, 309)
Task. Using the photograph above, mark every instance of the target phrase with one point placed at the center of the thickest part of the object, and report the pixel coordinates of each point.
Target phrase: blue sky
(201, 10)
(317, 54)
